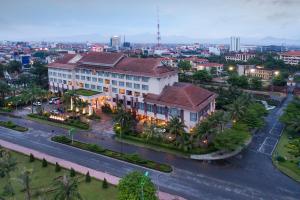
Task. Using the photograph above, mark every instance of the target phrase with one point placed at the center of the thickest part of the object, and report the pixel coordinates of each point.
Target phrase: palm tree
(67, 189)
(221, 118)
(24, 179)
(4, 90)
(151, 131)
(34, 93)
(176, 127)
(238, 108)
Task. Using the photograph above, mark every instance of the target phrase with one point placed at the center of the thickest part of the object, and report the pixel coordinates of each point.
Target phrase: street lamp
(276, 73)
(231, 68)
(143, 181)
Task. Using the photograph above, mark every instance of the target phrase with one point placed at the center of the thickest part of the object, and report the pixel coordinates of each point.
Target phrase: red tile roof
(196, 59)
(183, 95)
(291, 53)
(63, 62)
(102, 58)
(211, 65)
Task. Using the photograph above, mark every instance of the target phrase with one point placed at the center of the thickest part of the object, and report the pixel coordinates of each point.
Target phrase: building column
(145, 108)
(90, 108)
(182, 115)
(166, 112)
(155, 109)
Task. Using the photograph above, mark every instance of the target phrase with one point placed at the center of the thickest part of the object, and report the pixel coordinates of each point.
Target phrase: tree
(239, 107)
(176, 127)
(239, 81)
(151, 131)
(230, 139)
(40, 72)
(291, 117)
(66, 189)
(34, 93)
(4, 90)
(72, 172)
(256, 83)
(135, 185)
(87, 177)
(278, 81)
(123, 121)
(24, 179)
(44, 163)
(104, 184)
(31, 158)
(184, 65)
(202, 76)
(57, 167)
(7, 165)
(14, 66)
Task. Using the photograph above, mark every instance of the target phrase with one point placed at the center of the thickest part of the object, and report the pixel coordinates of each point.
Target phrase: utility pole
(158, 27)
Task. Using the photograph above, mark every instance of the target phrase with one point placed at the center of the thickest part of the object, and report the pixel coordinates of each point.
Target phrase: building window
(145, 79)
(64, 82)
(136, 78)
(149, 107)
(88, 78)
(114, 75)
(193, 117)
(174, 112)
(100, 73)
(121, 83)
(160, 110)
(129, 85)
(99, 88)
(145, 87)
(87, 86)
(137, 94)
(106, 74)
(107, 81)
(100, 80)
(51, 79)
(129, 92)
(64, 75)
(121, 76)
(83, 78)
(94, 79)
(137, 86)
(69, 76)
(129, 77)
(141, 106)
(114, 82)
(121, 91)
(114, 90)
(77, 77)
(105, 89)
(93, 87)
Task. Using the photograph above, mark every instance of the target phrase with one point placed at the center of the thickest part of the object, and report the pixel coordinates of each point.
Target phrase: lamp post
(71, 133)
(276, 74)
(143, 181)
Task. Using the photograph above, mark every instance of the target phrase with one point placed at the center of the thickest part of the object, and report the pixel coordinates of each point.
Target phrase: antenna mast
(158, 32)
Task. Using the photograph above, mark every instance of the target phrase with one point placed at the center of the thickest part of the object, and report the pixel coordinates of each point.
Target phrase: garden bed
(70, 123)
(164, 147)
(131, 158)
(13, 126)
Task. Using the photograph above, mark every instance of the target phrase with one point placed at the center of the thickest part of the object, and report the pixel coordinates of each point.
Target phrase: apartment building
(243, 57)
(146, 86)
(290, 57)
(256, 71)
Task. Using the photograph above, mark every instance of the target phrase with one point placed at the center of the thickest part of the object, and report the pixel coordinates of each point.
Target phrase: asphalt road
(249, 175)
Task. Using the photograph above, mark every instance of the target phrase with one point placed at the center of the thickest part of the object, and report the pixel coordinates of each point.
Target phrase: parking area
(268, 145)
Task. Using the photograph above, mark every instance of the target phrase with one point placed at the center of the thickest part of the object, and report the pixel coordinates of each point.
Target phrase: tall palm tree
(4, 90)
(238, 108)
(67, 189)
(176, 127)
(221, 118)
(34, 93)
(124, 119)
(25, 180)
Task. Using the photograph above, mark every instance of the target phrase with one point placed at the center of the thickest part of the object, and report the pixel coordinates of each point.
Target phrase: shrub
(95, 148)
(72, 172)
(104, 184)
(87, 177)
(31, 158)
(280, 159)
(135, 158)
(44, 163)
(57, 167)
(106, 108)
(61, 139)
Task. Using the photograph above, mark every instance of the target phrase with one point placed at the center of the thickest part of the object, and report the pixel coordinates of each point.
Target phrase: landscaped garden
(286, 157)
(85, 92)
(24, 177)
(13, 126)
(132, 158)
(225, 130)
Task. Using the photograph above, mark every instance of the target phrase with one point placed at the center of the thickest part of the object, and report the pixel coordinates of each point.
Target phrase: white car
(37, 103)
(53, 100)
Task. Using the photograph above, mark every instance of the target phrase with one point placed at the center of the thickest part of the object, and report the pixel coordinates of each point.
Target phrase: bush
(87, 177)
(106, 108)
(135, 158)
(104, 184)
(57, 167)
(61, 139)
(44, 163)
(280, 159)
(31, 158)
(72, 172)
(95, 148)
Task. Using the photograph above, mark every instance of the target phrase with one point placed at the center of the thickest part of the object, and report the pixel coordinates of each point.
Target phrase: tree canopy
(202, 76)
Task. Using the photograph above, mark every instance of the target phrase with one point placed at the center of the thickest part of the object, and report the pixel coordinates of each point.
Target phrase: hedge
(131, 158)
(70, 122)
(13, 126)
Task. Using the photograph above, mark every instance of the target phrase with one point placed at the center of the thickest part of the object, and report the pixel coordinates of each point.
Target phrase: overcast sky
(40, 19)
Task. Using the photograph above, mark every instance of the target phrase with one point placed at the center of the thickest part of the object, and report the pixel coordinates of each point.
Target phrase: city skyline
(98, 20)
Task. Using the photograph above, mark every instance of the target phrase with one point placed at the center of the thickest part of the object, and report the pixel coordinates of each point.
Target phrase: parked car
(55, 112)
(37, 103)
(53, 100)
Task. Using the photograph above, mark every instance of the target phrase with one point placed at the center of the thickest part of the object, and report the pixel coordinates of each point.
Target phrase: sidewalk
(81, 169)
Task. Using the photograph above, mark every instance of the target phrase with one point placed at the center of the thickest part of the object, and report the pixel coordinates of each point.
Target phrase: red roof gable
(101, 58)
(291, 53)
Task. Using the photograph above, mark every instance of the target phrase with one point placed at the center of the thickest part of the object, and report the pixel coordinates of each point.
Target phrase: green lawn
(85, 92)
(43, 178)
(288, 167)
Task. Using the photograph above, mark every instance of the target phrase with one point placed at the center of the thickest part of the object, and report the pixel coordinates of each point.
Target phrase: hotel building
(146, 86)
(291, 57)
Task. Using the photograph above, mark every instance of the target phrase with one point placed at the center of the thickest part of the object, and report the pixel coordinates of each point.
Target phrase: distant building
(210, 66)
(126, 44)
(243, 57)
(290, 57)
(256, 71)
(115, 42)
(235, 45)
(214, 50)
(97, 48)
(271, 48)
